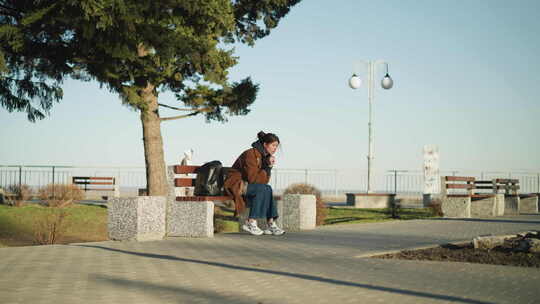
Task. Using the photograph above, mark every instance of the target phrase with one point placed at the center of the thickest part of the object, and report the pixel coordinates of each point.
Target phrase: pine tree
(135, 49)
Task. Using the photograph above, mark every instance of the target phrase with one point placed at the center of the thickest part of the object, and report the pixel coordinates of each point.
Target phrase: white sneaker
(252, 228)
(274, 229)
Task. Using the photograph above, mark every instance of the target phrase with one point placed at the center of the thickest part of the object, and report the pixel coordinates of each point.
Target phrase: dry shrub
(300, 188)
(23, 192)
(435, 207)
(60, 192)
(50, 228)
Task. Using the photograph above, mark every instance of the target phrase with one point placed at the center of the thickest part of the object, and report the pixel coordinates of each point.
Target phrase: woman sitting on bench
(249, 177)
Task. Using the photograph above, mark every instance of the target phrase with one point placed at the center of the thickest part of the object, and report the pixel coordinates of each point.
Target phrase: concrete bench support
(528, 204)
(511, 205)
(490, 206)
(296, 212)
(456, 207)
(190, 219)
(136, 218)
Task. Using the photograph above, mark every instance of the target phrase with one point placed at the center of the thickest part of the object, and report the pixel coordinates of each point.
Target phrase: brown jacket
(247, 169)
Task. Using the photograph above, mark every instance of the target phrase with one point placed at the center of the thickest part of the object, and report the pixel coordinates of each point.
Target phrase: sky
(466, 78)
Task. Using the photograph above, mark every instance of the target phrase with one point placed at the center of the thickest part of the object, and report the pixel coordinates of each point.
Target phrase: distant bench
(88, 183)
(472, 203)
(516, 202)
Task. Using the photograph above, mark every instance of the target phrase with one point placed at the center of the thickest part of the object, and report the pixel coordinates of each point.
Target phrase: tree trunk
(156, 177)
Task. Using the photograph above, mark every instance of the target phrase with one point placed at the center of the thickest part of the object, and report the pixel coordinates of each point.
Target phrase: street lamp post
(386, 83)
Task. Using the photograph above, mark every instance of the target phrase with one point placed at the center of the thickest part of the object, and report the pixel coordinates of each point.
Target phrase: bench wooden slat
(459, 186)
(184, 182)
(506, 181)
(93, 183)
(203, 198)
(484, 187)
(178, 169)
(483, 182)
(460, 178)
(99, 189)
(92, 178)
(482, 195)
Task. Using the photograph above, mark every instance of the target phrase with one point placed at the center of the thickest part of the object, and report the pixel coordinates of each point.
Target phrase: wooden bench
(89, 183)
(516, 202)
(473, 202)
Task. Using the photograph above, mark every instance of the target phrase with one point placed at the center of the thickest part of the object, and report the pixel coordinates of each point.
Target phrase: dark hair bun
(261, 135)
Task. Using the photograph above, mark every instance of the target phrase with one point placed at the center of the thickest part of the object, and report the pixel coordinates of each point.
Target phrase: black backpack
(209, 181)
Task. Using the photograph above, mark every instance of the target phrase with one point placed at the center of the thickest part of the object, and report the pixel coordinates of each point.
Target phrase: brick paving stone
(318, 266)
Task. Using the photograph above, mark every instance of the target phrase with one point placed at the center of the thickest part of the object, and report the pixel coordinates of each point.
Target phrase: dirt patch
(511, 253)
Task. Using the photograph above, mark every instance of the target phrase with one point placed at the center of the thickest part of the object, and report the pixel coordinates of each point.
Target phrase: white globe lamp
(355, 82)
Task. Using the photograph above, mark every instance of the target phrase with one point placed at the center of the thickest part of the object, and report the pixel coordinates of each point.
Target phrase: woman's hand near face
(272, 160)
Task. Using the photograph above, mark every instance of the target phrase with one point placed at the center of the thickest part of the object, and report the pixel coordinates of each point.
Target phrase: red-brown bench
(87, 183)
(516, 202)
(95, 183)
(473, 203)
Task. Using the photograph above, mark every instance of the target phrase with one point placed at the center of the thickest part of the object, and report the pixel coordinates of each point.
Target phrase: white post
(371, 68)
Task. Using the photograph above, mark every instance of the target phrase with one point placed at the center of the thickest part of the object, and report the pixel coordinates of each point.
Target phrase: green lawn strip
(83, 223)
(89, 223)
(357, 215)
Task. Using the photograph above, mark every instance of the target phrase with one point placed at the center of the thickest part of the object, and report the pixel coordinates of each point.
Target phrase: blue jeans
(261, 201)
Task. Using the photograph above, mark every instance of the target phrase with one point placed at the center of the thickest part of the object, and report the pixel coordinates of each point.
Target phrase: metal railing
(328, 181)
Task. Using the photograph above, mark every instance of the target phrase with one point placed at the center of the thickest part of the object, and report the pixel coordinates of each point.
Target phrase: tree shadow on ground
(158, 290)
(296, 275)
(488, 220)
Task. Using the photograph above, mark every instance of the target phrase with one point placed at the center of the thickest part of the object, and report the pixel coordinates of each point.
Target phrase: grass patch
(84, 224)
(354, 215)
(224, 218)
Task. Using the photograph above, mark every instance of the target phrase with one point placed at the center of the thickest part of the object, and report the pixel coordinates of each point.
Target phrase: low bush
(23, 193)
(301, 188)
(50, 228)
(60, 194)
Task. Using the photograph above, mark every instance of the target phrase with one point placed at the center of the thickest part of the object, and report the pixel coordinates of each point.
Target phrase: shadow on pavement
(206, 295)
(490, 220)
(295, 275)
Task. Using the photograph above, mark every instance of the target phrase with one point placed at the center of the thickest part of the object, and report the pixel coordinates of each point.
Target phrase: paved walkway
(321, 266)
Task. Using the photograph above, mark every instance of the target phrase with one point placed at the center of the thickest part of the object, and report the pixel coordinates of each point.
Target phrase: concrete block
(511, 204)
(296, 212)
(459, 207)
(490, 206)
(171, 192)
(299, 212)
(190, 219)
(137, 218)
(500, 205)
(528, 204)
(371, 200)
(488, 242)
(534, 245)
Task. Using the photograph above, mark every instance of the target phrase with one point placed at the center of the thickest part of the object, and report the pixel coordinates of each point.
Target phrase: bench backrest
(464, 184)
(510, 186)
(188, 178)
(93, 181)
